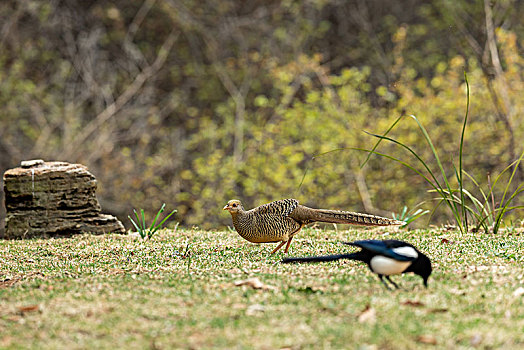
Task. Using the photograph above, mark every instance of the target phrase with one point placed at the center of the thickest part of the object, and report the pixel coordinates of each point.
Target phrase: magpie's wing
(386, 248)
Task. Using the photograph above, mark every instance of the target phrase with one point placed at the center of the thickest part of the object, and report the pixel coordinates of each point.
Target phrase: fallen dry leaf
(438, 310)
(427, 339)
(238, 306)
(14, 318)
(29, 308)
(369, 315)
(457, 291)
(255, 309)
(476, 339)
(412, 303)
(254, 283)
(518, 292)
(8, 281)
(6, 341)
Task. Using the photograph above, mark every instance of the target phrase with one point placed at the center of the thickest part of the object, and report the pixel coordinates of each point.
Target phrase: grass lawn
(178, 291)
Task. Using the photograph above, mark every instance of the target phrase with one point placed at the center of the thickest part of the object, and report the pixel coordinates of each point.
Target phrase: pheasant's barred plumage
(279, 221)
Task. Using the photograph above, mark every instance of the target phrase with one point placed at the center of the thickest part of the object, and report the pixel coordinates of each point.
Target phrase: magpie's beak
(425, 282)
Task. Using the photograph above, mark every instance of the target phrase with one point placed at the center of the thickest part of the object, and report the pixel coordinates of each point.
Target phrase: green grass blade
(481, 213)
(458, 200)
(140, 224)
(140, 228)
(453, 207)
(484, 197)
(508, 209)
(502, 212)
(404, 211)
(407, 165)
(465, 218)
(304, 176)
(437, 184)
(480, 208)
(499, 176)
(151, 232)
(158, 214)
(143, 218)
(451, 204)
(440, 201)
(380, 140)
(369, 151)
(137, 217)
(134, 224)
(415, 216)
(486, 208)
(462, 201)
(511, 177)
(404, 163)
(167, 217)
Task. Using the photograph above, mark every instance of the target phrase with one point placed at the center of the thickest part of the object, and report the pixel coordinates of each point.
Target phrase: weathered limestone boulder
(53, 198)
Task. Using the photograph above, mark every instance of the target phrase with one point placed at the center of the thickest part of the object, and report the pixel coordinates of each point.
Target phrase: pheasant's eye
(234, 205)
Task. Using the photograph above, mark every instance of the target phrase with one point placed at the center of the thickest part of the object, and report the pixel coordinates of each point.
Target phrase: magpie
(385, 258)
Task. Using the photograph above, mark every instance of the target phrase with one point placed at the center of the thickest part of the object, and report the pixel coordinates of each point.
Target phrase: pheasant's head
(233, 206)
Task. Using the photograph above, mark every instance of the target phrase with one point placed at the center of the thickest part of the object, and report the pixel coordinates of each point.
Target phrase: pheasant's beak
(226, 207)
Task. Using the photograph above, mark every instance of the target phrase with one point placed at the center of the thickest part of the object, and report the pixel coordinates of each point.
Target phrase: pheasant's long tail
(342, 217)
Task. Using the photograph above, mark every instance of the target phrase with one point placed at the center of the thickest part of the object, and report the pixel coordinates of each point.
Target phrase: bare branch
(237, 93)
(6, 28)
(495, 59)
(127, 95)
(129, 46)
(361, 16)
(506, 113)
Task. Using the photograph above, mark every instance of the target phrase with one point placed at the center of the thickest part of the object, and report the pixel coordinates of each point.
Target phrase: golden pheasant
(280, 220)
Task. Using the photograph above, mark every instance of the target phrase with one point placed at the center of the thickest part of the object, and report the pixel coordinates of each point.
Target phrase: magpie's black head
(422, 267)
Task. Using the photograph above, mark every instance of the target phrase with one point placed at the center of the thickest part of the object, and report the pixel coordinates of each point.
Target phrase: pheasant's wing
(398, 250)
(282, 207)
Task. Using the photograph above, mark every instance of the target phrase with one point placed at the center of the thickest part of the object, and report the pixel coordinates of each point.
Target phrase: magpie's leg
(393, 283)
(384, 282)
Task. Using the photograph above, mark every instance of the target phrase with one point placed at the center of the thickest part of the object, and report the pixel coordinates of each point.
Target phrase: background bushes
(193, 103)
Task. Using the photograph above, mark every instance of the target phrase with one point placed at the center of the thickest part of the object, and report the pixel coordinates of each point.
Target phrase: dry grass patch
(182, 290)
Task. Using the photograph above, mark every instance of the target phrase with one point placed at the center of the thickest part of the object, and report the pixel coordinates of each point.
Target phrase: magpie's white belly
(387, 266)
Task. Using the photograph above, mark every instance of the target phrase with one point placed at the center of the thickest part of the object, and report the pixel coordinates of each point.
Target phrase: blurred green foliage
(193, 103)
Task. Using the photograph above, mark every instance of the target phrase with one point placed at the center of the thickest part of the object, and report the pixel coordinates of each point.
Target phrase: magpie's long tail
(323, 258)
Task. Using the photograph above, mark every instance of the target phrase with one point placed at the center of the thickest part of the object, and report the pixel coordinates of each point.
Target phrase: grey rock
(31, 163)
(53, 198)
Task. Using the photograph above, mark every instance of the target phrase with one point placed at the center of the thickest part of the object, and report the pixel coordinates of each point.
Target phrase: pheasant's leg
(291, 237)
(393, 283)
(288, 243)
(278, 247)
